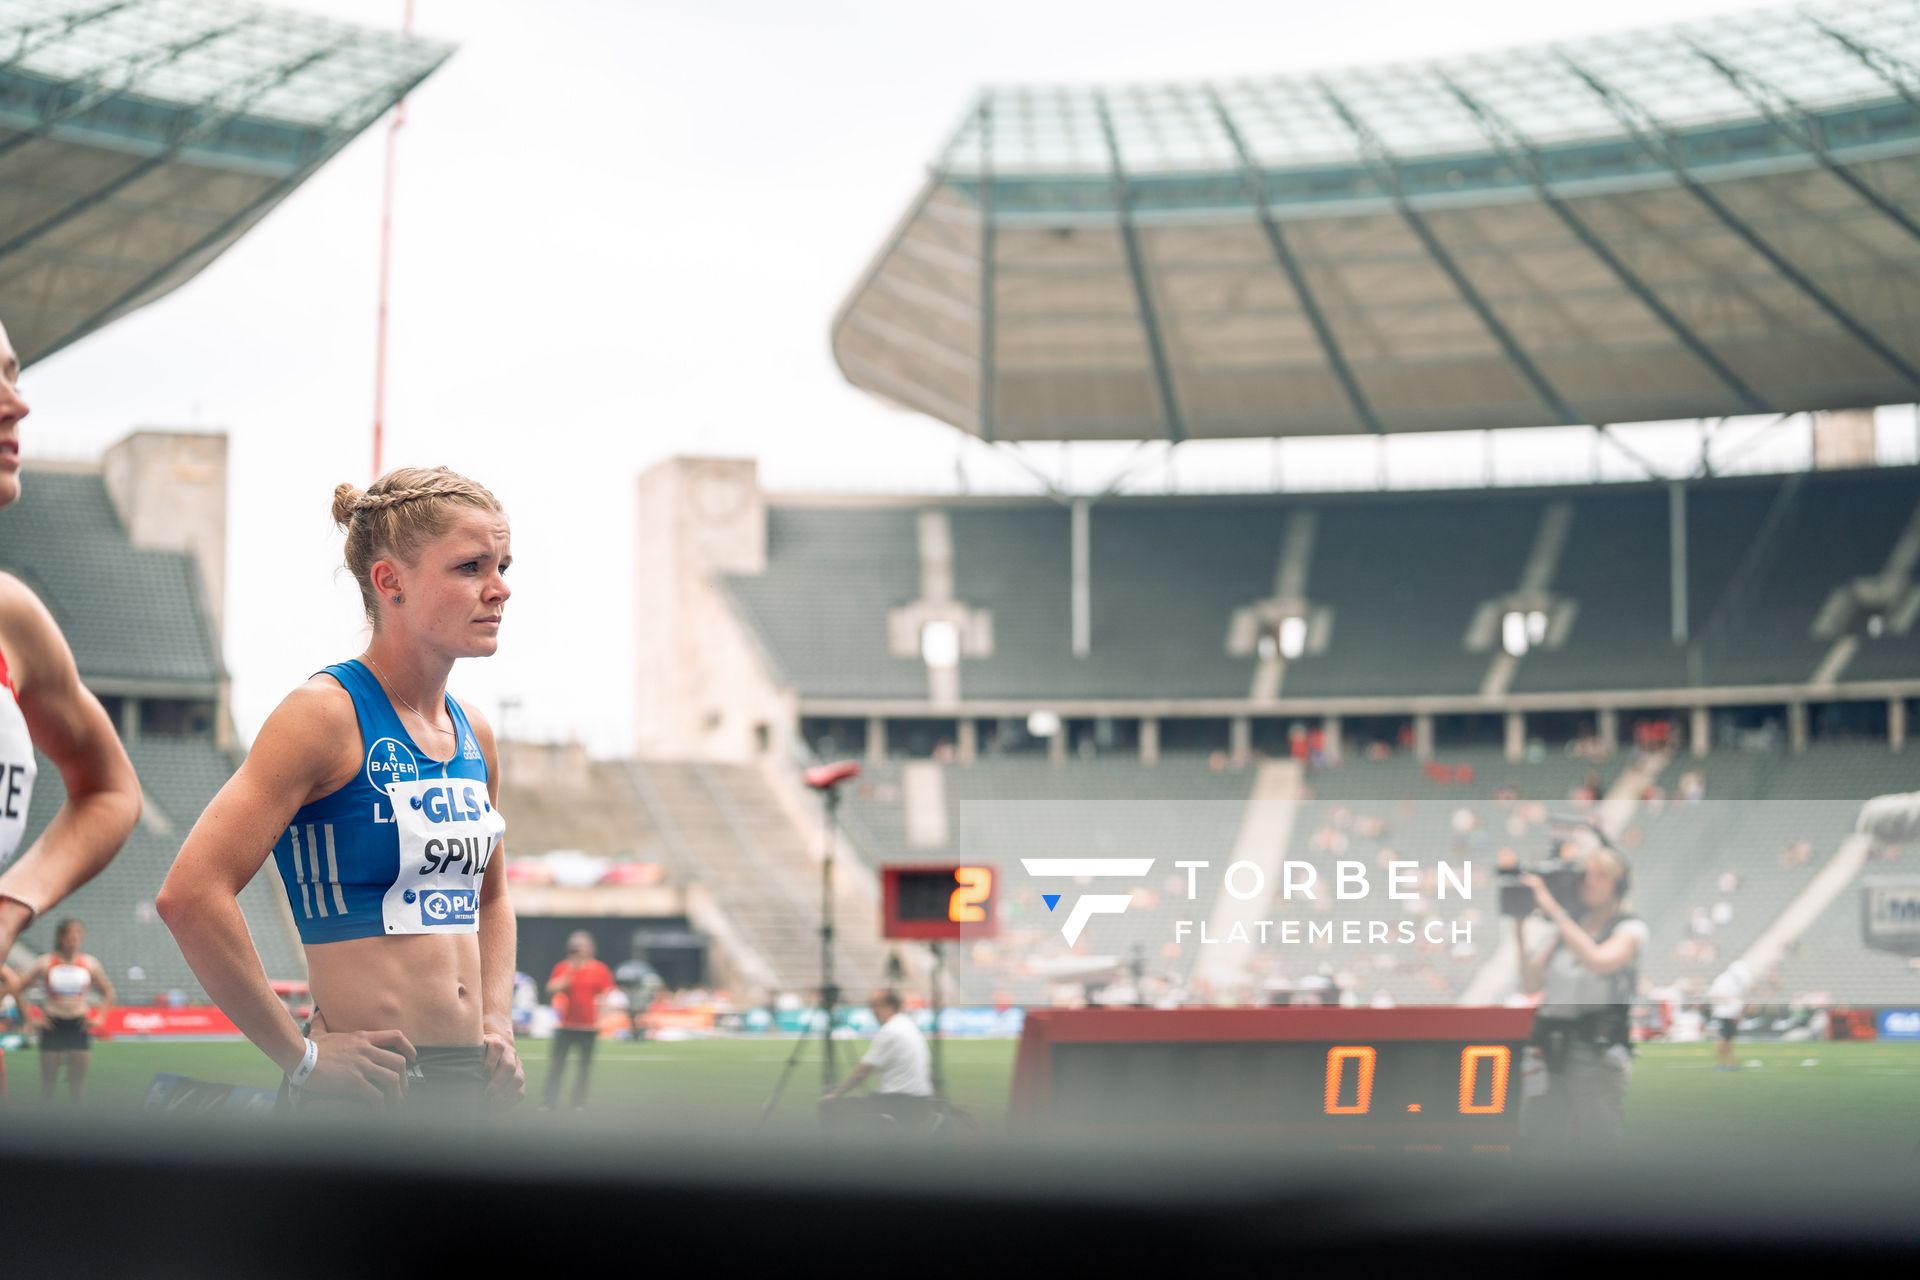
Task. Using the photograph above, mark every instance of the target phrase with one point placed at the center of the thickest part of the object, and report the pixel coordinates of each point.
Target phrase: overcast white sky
(623, 228)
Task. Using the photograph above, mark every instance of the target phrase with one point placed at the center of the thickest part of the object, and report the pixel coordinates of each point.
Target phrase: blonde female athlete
(374, 791)
(44, 706)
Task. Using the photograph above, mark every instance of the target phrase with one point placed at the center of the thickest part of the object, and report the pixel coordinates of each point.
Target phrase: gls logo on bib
(447, 831)
(446, 803)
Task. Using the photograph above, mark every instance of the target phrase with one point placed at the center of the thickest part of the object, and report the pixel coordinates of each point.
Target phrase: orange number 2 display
(976, 886)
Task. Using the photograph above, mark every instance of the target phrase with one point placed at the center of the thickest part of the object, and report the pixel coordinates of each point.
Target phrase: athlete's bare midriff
(426, 986)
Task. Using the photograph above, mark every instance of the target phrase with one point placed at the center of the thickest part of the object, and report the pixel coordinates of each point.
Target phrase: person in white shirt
(1728, 997)
(898, 1062)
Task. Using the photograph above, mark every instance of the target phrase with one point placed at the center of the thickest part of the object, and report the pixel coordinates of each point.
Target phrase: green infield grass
(1849, 1100)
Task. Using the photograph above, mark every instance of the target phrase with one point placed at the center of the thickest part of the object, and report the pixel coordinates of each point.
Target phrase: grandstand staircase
(1266, 832)
(1832, 880)
(753, 884)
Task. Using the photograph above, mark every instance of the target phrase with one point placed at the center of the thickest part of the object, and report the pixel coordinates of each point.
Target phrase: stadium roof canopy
(1693, 221)
(141, 138)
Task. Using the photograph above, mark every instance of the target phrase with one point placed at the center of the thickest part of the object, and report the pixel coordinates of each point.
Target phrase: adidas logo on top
(469, 750)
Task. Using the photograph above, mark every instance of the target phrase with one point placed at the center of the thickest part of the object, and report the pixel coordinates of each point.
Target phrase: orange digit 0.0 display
(966, 905)
(1501, 1058)
(1362, 1055)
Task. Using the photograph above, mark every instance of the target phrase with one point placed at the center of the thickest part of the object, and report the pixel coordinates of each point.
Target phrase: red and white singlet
(17, 768)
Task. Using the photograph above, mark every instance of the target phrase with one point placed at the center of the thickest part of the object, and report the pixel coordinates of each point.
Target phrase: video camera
(1562, 871)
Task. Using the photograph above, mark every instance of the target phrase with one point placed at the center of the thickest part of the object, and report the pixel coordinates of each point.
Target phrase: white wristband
(308, 1061)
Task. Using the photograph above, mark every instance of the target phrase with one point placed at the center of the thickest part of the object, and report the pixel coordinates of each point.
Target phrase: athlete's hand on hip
(368, 1065)
(506, 1078)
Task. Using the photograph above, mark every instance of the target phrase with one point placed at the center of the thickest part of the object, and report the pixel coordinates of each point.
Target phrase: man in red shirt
(575, 988)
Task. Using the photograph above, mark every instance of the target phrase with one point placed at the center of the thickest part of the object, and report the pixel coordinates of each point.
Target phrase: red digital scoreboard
(939, 902)
(1307, 1079)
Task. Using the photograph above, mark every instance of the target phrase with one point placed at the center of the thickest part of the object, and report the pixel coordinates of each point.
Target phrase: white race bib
(448, 831)
(17, 767)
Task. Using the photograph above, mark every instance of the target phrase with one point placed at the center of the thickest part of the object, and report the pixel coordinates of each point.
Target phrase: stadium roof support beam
(1628, 452)
(1793, 120)
(105, 88)
(1899, 76)
(218, 235)
(64, 26)
(1707, 466)
(222, 112)
(1521, 155)
(1386, 171)
(987, 337)
(1137, 272)
(1654, 139)
(1283, 254)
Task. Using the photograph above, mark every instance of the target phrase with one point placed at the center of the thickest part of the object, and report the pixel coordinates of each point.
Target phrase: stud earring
(397, 599)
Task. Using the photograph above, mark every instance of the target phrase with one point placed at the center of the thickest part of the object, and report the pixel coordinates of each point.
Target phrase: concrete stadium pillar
(1702, 734)
(1149, 739)
(1516, 736)
(1331, 727)
(1797, 726)
(876, 739)
(1608, 722)
(1240, 738)
(966, 747)
(1423, 736)
(130, 720)
(223, 730)
(1057, 746)
(1897, 723)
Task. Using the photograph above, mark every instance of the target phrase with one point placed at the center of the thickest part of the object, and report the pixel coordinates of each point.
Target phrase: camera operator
(901, 1065)
(1587, 974)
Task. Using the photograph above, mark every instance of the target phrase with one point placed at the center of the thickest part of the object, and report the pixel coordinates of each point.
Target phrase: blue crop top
(399, 849)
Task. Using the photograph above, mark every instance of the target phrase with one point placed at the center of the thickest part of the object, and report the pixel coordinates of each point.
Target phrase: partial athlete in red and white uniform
(17, 768)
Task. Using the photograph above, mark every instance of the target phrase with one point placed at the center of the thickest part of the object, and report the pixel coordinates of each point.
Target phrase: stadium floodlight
(1293, 636)
(1513, 633)
(940, 644)
(1268, 646)
(1043, 724)
(1536, 626)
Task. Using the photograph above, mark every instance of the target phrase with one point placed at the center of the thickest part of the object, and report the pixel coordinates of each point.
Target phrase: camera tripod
(825, 780)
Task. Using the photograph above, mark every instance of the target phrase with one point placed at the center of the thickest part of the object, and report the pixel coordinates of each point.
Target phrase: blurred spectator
(576, 986)
(1729, 993)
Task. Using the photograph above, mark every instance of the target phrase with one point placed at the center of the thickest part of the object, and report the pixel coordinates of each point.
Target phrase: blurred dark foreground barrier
(214, 1198)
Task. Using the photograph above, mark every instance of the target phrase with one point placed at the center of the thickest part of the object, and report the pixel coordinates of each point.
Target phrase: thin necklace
(388, 686)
